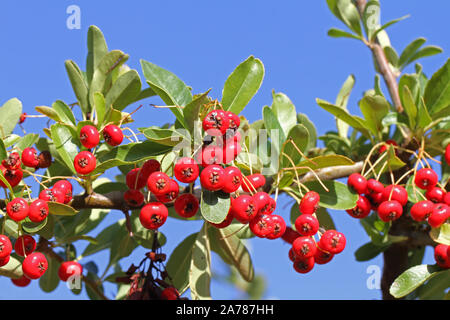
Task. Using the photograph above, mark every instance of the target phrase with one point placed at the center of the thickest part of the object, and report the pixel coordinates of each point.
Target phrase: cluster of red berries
(85, 162)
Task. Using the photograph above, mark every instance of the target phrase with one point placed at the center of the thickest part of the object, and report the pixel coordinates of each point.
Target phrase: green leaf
(273, 127)
(412, 279)
(242, 84)
(339, 196)
(3, 154)
(124, 91)
(64, 144)
(79, 85)
(300, 137)
(60, 209)
(441, 234)
(27, 141)
(100, 108)
(50, 280)
(284, 111)
(9, 116)
(437, 91)
(97, 48)
(214, 205)
(323, 162)
(166, 137)
(338, 33)
(425, 52)
(369, 251)
(325, 219)
(371, 17)
(179, 263)
(104, 239)
(415, 194)
(410, 106)
(350, 15)
(32, 227)
(386, 25)
(200, 271)
(64, 112)
(374, 108)
(436, 287)
(13, 269)
(342, 101)
(192, 109)
(391, 55)
(49, 112)
(304, 120)
(410, 51)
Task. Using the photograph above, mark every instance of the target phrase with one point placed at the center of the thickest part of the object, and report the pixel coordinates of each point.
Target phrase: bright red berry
(25, 245)
(332, 241)
(441, 256)
(426, 178)
(12, 176)
(34, 265)
(358, 183)
(435, 194)
(89, 136)
(135, 179)
(133, 198)
(421, 210)
(395, 192)
(262, 201)
(22, 118)
(170, 293)
(234, 120)
(307, 225)
(66, 188)
(170, 195)
(30, 157)
(230, 151)
(4, 261)
(216, 123)
(212, 177)
(186, 170)
(304, 247)
(279, 227)
(362, 208)
(261, 225)
(84, 162)
(12, 162)
(304, 265)
(374, 186)
(38, 210)
(447, 154)
(447, 199)
(322, 257)
(23, 281)
(244, 208)
(113, 135)
(69, 269)
(390, 210)
(233, 179)
(53, 195)
(210, 154)
(158, 183)
(17, 209)
(153, 215)
(186, 205)
(440, 214)
(5, 246)
(253, 182)
(309, 203)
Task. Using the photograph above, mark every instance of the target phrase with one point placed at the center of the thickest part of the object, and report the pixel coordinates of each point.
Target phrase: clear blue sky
(202, 42)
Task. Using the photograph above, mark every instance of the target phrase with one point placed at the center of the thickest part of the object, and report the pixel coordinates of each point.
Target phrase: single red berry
(390, 210)
(4, 261)
(244, 208)
(290, 235)
(395, 192)
(307, 225)
(44, 159)
(447, 198)
(186, 205)
(170, 293)
(89, 136)
(34, 265)
(12, 176)
(261, 225)
(84, 162)
(435, 194)
(113, 135)
(358, 183)
(230, 151)
(22, 118)
(447, 154)
(134, 198)
(30, 157)
(426, 178)
(216, 123)
(234, 120)
(253, 182)
(304, 265)
(135, 179)
(53, 195)
(25, 245)
(362, 208)
(441, 256)
(322, 257)
(12, 162)
(383, 148)
(309, 203)
(69, 269)
(149, 167)
(170, 195)
(421, 210)
(66, 187)
(304, 247)
(332, 241)
(38, 210)
(158, 183)
(153, 215)
(279, 227)
(262, 201)
(59, 195)
(17, 209)
(186, 170)
(375, 199)
(212, 177)
(374, 186)
(5, 246)
(233, 179)
(23, 281)
(210, 154)
(440, 214)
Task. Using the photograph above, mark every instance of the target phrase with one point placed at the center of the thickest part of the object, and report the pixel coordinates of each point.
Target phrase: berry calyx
(216, 123)
(261, 225)
(332, 241)
(421, 210)
(17, 209)
(279, 227)
(84, 162)
(362, 208)
(309, 203)
(158, 183)
(5, 246)
(244, 208)
(30, 158)
(307, 225)
(322, 257)
(153, 215)
(186, 170)
(426, 178)
(89, 136)
(12, 162)
(358, 183)
(213, 177)
(186, 205)
(170, 195)
(25, 245)
(210, 154)
(113, 135)
(34, 265)
(390, 210)
(304, 247)
(234, 120)
(69, 269)
(12, 176)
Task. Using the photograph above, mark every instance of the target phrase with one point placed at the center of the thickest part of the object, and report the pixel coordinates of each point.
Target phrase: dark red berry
(290, 235)
(233, 179)
(69, 269)
(304, 265)
(186, 205)
(435, 194)
(307, 225)
(113, 135)
(34, 265)
(134, 198)
(17, 209)
(390, 210)
(216, 123)
(186, 170)
(395, 192)
(44, 159)
(362, 208)
(244, 208)
(440, 214)
(441, 256)
(153, 215)
(447, 154)
(12, 176)
(253, 182)
(5, 246)
(383, 148)
(135, 179)
(30, 157)
(421, 210)
(84, 162)
(25, 245)
(322, 257)
(4, 261)
(309, 203)
(89, 136)
(212, 177)
(426, 178)
(149, 167)
(358, 183)
(332, 241)
(279, 227)
(23, 281)
(158, 183)
(170, 293)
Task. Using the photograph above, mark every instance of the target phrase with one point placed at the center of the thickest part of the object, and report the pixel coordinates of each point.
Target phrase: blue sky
(202, 42)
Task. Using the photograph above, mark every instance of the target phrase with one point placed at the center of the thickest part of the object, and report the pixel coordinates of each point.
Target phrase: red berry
(4, 261)
(216, 123)
(261, 225)
(113, 135)
(304, 265)
(358, 183)
(374, 186)
(244, 208)
(5, 246)
(158, 183)
(53, 195)
(383, 148)
(186, 205)
(440, 214)
(426, 178)
(84, 162)
(234, 120)
(213, 177)
(12, 162)
(230, 151)
(279, 227)
(34, 265)
(441, 256)
(170, 195)
(292, 255)
(226, 222)
(66, 188)
(307, 225)
(38, 210)
(362, 208)
(22, 118)
(395, 192)
(290, 235)
(233, 179)
(135, 179)
(149, 167)
(421, 210)
(435, 194)
(170, 293)
(30, 158)
(309, 203)
(332, 241)
(23, 281)
(153, 215)
(12, 176)
(133, 198)
(447, 154)
(322, 257)
(25, 242)
(69, 269)
(253, 182)
(59, 195)
(210, 155)
(304, 247)
(262, 201)
(89, 136)
(390, 210)
(17, 209)
(186, 170)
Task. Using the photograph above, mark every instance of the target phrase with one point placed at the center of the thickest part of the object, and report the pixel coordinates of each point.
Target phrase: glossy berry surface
(362, 209)
(135, 179)
(304, 247)
(12, 162)
(12, 176)
(309, 203)
(322, 257)
(441, 256)
(290, 235)
(216, 123)
(186, 170)
(304, 265)
(426, 178)
(158, 183)
(113, 135)
(25, 245)
(261, 225)
(84, 162)
(421, 210)
(171, 194)
(253, 182)
(374, 186)
(440, 214)
(17, 209)
(210, 154)
(332, 241)
(244, 208)
(390, 210)
(89, 136)
(234, 120)
(69, 269)
(66, 188)
(435, 194)
(29, 157)
(233, 179)
(4, 261)
(186, 205)
(230, 151)
(35, 265)
(23, 281)
(5, 246)
(307, 225)
(153, 215)
(395, 192)
(358, 183)
(212, 177)
(133, 198)
(279, 227)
